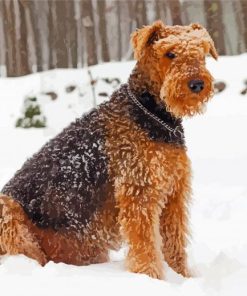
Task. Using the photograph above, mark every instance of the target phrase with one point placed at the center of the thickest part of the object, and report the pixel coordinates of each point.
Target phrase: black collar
(153, 117)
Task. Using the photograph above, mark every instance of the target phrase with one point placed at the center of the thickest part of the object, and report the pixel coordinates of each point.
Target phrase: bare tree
(16, 38)
(175, 9)
(132, 19)
(88, 24)
(80, 34)
(22, 41)
(244, 16)
(213, 10)
(158, 9)
(61, 42)
(193, 11)
(10, 36)
(141, 14)
(68, 33)
(119, 30)
(101, 7)
(71, 32)
(185, 11)
(52, 31)
(132, 25)
(2, 47)
(124, 27)
(31, 8)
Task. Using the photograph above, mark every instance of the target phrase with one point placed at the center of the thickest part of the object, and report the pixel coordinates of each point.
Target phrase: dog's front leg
(174, 228)
(139, 219)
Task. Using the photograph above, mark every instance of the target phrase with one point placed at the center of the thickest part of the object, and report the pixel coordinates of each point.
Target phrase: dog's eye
(170, 55)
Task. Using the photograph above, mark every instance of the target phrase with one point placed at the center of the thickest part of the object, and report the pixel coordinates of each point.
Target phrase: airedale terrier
(119, 173)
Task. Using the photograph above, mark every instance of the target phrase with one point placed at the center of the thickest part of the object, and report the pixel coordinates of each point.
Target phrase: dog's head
(174, 60)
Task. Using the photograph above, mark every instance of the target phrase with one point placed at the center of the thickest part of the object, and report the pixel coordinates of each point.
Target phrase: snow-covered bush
(32, 115)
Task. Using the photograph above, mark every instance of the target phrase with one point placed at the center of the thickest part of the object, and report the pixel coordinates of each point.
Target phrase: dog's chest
(169, 164)
(136, 159)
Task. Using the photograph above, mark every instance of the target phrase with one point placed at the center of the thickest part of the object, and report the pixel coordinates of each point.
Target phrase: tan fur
(148, 173)
(174, 222)
(168, 78)
(19, 236)
(149, 182)
(153, 179)
(16, 232)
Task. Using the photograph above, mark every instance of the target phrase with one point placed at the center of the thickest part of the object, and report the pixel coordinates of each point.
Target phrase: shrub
(32, 115)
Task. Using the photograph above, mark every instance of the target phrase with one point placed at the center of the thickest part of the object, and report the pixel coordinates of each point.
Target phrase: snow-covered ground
(217, 145)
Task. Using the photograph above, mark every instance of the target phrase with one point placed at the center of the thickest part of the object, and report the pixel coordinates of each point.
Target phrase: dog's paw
(155, 273)
(187, 273)
(151, 269)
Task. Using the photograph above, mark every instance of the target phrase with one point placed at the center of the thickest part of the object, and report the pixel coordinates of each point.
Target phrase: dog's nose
(196, 85)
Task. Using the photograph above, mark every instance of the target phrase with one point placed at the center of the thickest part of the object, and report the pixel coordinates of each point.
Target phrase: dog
(120, 173)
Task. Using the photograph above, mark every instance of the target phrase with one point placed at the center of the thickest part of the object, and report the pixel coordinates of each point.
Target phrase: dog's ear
(207, 40)
(213, 50)
(144, 37)
(197, 26)
(210, 48)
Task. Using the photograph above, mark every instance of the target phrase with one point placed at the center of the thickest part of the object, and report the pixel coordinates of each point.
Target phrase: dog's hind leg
(16, 236)
(1, 217)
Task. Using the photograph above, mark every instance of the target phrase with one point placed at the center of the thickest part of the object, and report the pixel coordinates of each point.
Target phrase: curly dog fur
(119, 173)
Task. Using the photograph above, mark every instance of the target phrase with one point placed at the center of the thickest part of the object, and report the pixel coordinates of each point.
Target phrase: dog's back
(63, 184)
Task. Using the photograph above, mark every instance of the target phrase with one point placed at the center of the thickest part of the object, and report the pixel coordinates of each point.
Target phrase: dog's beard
(182, 103)
(201, 108)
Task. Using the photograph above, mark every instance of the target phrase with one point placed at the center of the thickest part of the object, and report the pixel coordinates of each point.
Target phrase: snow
(217, 145)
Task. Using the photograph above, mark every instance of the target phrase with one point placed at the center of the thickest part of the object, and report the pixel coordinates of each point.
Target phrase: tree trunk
(101, 7)
(174, 6)
(132, 19)
(132, 26)
(157, 10)
(88, 24)
(185, 8)
(2, 44)
(124, 28)
(10, 36)
(244, 16)
(141, 14)
(80, 34)
(52, 31)
(22, 42)
(119, 31)
(31, 6)
(71, 29)
(61, 43)
(213, 10)
(160, 9)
